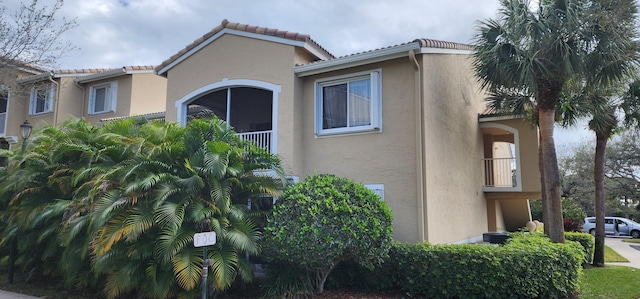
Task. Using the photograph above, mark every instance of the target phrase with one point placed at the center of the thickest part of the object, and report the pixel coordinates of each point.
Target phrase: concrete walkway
(630, 251)
(10, 295)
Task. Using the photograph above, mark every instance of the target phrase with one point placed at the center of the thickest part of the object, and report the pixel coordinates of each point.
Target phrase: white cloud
(150, 31)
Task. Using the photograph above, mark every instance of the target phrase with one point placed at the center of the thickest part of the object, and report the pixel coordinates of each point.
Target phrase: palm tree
(598, 95)
(182, 181)
(41, 191)
(534, 52)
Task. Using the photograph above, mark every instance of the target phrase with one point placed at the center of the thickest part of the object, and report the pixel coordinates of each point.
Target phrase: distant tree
(324, 220)
(31, 37)
(621, 182)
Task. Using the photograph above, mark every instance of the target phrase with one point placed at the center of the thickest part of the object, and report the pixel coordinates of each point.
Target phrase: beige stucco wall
(19, 104)
(388, 157)
(123, 99)
(455, 204)
(236, 57)
(148, 93)
(17, 111)
(528, 137)
(70, 100)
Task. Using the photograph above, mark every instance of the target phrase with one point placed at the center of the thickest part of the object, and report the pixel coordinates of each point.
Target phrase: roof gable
(263, 33)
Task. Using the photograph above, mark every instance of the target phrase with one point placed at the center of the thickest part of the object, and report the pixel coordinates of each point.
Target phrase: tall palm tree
(536, 51)
(612, 23)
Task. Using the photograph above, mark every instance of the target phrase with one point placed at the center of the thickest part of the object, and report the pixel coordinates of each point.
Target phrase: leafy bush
(286, 280)
(586, 241)
(323, 220)
(528, 266)
(572, 225)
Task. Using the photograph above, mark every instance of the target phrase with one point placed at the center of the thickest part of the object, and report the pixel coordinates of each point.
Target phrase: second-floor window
(349, 104)
(42, 98)
(102, 98)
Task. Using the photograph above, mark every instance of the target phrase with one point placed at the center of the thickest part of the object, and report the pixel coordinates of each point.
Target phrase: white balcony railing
(261, 139)
(500, 172)
(3, 118)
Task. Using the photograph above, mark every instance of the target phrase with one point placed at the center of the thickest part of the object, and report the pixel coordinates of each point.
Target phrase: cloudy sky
(116, 33)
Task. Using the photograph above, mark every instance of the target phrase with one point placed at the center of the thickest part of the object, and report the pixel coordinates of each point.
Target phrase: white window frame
(110, 97)
(375, 78)
(50, 95)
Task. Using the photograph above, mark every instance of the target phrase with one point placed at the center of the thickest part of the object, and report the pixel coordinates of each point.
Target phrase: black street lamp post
(25, 133)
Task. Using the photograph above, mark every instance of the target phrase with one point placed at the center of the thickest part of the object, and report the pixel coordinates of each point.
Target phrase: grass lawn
(610, 256)
(612, 282)
(631, 240)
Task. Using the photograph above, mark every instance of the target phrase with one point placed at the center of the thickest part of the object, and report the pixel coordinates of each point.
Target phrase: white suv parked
(617, 226)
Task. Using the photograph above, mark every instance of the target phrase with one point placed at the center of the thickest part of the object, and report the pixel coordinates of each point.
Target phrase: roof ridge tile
(246, 28)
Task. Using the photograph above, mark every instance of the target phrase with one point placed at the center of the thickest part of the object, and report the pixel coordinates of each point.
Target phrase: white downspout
(420, 147)
(84, 95)
(57, 99)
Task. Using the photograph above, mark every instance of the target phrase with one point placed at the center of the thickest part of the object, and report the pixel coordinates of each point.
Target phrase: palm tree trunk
(554, 226)
(598, 178)
(546, 211)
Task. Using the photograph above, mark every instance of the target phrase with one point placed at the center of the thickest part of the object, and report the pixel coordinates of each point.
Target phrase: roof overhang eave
(355, 60)
(110, 74)
(36, 78)
(483, 118)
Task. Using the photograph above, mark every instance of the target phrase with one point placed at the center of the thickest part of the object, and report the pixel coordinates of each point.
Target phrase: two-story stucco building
(405, 120)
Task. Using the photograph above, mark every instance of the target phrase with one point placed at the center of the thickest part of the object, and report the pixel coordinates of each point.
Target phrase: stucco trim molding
(275, 89)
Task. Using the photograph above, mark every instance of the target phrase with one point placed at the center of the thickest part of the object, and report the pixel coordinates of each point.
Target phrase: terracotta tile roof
(148, 116)
(81, 71)
(424, 43)
(139, 68)
(246, 28)
(432, 43)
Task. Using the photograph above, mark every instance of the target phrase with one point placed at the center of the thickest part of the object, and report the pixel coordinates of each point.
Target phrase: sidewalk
(630, 251)
(10, 295)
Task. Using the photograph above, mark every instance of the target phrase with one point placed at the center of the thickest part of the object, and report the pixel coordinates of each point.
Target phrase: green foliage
(571, 209)
(286, 280)
(324, 220)
(528, 266)
(119, 205)
(586, 241)
(621, 184)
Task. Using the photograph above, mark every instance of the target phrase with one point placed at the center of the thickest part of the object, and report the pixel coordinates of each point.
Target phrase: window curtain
(334, 106)
(359, 103)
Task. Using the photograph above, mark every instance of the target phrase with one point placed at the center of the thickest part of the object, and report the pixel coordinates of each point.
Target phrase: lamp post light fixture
(25, 132)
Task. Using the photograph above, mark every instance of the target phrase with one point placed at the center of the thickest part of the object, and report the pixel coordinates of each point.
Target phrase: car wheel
(635, 234)
(592, 232)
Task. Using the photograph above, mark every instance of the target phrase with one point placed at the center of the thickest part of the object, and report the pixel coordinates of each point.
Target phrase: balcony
(500, 173)
(261, 138)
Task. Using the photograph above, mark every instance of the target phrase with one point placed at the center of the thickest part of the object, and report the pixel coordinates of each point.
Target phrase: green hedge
(587, 241)
(528, 266)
